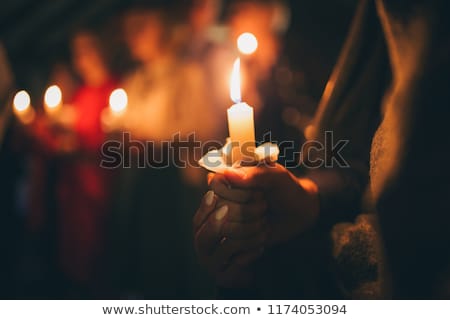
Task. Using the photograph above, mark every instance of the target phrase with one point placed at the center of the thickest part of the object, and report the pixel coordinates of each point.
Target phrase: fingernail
(221, 213)
(209, 198)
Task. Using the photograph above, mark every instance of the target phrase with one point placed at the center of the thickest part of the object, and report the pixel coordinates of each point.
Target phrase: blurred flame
(118, 100)
(247, 43)
(22, 107)
(235, 83)
(53, 97)
(21, 101)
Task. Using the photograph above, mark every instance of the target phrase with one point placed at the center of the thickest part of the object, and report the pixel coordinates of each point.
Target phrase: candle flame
(21, 101)
(118, 100)
(235, 83)
(247, 43)
(53, 97)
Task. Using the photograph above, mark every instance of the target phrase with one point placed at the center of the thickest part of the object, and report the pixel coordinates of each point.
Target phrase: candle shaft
(242, 132)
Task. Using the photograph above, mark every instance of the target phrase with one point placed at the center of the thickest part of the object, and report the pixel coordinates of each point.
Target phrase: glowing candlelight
(112, 117)
(240, 121)
(118, 101)
(247, 43)
(22, 107)
(22, 101)
(53, 100)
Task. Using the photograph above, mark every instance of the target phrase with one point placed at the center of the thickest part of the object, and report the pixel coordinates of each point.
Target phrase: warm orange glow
(53, 98)
(247, 43)
(22, 107)
(21, 101)
(118, 101)
(235, 82)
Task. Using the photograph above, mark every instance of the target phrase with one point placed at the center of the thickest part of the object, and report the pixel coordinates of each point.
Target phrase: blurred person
(166, 97)
(162, 90)
(83, 186)
(204, 42)
(63, 76)
(202, 19)
(91, 65)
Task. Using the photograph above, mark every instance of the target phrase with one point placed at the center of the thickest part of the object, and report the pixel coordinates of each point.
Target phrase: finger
(206, 207)
(239, 230)
(209, 235)
(222, 187)
(250, 212)
(223, 253)
(259, 177)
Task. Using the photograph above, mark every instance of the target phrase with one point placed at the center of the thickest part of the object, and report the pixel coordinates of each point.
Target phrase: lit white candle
(53, 100)
(240, 121)
(22, 107)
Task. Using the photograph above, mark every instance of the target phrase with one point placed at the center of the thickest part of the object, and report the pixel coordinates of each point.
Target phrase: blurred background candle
(113, 116)
(53, 100)
(247, 43)
(118, 102)
(240, 121)
(22, 107)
